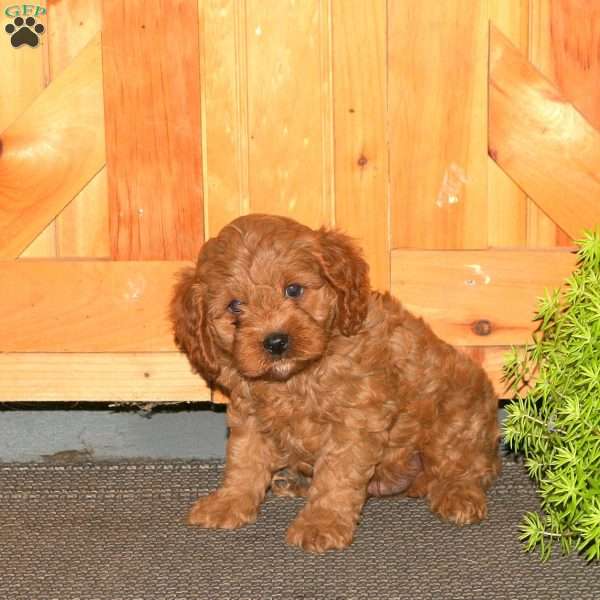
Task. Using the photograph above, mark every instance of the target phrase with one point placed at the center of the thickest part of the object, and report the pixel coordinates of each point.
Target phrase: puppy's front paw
(222, 511)
(319, 534)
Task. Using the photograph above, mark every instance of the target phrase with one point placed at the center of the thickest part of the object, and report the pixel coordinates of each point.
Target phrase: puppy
(336, 392)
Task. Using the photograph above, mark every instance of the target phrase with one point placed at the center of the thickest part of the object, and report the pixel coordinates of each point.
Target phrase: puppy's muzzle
(276, 343)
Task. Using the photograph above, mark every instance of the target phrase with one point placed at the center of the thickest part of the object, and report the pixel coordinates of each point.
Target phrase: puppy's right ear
(188, 315)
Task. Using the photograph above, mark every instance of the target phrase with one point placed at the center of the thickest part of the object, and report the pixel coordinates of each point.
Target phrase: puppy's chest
(295, 424)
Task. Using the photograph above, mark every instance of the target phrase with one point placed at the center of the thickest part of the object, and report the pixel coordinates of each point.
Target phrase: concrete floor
(57, 433)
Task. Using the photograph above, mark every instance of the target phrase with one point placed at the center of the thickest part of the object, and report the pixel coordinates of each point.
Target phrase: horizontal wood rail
(470, 297)
(86, 306)
(100, 377)
(478, 297)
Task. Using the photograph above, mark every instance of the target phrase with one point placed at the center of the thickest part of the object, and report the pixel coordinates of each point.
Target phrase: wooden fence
(458, 140)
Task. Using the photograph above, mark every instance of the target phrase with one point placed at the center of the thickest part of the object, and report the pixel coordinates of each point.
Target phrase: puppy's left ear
(347, 272)
(192, 335)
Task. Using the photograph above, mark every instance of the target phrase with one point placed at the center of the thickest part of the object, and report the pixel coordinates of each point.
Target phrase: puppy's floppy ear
(348, 273)
(188, 315)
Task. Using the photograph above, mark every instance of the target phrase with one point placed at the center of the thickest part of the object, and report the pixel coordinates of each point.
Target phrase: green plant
(554, 419)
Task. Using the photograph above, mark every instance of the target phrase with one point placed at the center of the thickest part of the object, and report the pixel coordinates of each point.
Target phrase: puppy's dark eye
(294, 290)
(235, 306)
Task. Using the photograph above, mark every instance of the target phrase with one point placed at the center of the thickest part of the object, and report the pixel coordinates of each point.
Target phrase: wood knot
(362, 160)
(482, 327)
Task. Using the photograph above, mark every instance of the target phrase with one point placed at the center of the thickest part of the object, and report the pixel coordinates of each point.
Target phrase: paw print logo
(24, 31)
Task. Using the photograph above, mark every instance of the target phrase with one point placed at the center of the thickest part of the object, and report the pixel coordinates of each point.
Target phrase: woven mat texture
(116, 532)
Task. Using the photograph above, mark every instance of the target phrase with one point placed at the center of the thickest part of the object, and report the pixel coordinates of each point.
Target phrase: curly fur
(365, 401)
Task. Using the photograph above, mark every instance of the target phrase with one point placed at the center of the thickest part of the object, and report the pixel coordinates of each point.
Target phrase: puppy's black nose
(276, 343)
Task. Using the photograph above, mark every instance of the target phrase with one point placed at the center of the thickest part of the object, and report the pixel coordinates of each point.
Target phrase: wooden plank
(224, 89)
(107, 377)
(82, 227)
(86, 306)
(437, 54)
(139, 377)
(575, 46)
(290, 139)
(507, 203)
(71, 27)
(152, 104)
(361, 154)
(43, 245)
(542, 231)
(51, 151)
(104, 306)
(541, 140)
(491, 358)
(566, 48)
(478, 298)
(23, 76)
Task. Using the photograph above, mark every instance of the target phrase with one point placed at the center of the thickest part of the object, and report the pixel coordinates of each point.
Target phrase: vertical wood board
(152, 107)
(225, 111)
(361, 152)
(287, 95)
(542, 231)
(437, 82)
(82, 227)
(507, 203)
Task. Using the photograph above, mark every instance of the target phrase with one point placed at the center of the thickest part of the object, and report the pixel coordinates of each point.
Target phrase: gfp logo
(24, 29)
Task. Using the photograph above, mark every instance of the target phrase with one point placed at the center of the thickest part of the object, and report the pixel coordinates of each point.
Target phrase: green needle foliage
(554, 419)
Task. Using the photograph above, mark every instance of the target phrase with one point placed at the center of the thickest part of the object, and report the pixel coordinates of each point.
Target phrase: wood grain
(507, 203)
(287, 98)
(152, 106)
(492, 359)
(24, 71)
(541, 140)
(224, 89)
(51, 151)
(86, 306)
(23, 76)
(95, 306)
(107, 377)
(575, 48)
(566, 50)
(542, 231)
(437, 80)
(478, 298)
(82, 227)
(138, 377)
(361, 154)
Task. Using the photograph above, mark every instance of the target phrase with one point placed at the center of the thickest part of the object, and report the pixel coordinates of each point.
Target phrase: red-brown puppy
(337, 384)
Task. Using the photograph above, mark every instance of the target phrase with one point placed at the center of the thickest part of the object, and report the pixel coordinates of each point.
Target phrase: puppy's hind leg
(396, 472)
(460, 462)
